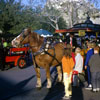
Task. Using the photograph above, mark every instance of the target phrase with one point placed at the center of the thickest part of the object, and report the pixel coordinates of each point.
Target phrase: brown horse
(41, 58)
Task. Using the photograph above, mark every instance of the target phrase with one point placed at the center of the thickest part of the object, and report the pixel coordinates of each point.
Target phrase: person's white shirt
(79, 63)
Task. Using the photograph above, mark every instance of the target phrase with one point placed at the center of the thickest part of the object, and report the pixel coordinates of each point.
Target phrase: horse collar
(41, 50)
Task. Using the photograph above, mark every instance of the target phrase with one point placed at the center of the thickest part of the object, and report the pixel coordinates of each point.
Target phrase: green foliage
(47, 27)
(9, 15)
(62, 24)
(14, 17)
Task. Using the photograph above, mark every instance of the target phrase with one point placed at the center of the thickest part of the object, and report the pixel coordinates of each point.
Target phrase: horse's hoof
(38, 85)
(48, 87)
(58, 81)
(38, 88)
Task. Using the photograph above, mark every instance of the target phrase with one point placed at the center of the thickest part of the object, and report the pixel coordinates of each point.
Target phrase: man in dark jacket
(94, 64)
(71, 40)
(2, 58)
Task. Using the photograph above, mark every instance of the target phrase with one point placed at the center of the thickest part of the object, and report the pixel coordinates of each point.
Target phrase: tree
(10, 11)
(48, 16)
(51, 16)
(73, 11)
(96, 3)
(14, 17)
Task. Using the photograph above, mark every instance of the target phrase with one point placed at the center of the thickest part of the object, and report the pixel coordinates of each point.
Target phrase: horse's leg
(59, 73)
(48, 77)
(37, 70)
(38, 84)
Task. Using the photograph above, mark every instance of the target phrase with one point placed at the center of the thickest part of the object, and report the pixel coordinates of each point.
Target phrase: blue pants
(89, 75)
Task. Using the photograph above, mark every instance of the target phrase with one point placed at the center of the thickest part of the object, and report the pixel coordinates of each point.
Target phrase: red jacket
(73, 56)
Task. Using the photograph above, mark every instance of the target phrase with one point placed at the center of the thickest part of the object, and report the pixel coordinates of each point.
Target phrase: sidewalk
(17, 84)
(56, 93)
(16, 81)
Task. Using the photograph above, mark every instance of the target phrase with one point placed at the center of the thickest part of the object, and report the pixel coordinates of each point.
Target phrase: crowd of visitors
(86, 59)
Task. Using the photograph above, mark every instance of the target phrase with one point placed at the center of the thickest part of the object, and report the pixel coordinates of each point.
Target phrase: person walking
(87, 67)
(94, 64)
(67, 67)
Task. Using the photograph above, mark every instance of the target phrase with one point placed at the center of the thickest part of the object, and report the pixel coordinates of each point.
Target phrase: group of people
(92, 64)
(75, 63)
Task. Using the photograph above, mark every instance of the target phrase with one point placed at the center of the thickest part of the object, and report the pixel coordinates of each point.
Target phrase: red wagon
(17, 56)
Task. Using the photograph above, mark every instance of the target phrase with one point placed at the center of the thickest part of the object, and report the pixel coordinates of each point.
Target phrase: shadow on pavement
(57, 92)
(9, 89)
(77, 93)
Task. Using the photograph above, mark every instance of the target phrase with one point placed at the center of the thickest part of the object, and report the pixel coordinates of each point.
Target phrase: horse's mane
(37, 37)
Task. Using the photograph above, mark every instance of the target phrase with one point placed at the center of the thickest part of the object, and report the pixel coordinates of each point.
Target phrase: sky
(36, 2)
(24, 2)
(42, 2)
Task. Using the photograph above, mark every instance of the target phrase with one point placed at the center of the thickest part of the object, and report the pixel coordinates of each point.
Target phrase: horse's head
(21, 39)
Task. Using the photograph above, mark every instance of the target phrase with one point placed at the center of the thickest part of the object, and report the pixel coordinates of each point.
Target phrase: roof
(87, 26)
(73, 30)
(43, 32)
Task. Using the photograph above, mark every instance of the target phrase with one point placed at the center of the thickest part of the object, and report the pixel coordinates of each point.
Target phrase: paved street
(19, 84)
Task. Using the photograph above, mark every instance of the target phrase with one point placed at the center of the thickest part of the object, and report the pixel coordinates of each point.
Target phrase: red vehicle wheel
(21, 63)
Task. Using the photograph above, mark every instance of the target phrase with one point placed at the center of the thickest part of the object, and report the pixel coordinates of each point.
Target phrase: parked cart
(16, 56)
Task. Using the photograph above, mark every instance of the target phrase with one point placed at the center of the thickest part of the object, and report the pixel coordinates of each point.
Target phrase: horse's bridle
(24, 36)
(41, 49)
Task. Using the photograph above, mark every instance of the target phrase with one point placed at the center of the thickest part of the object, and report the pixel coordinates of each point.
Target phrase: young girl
(67, 66)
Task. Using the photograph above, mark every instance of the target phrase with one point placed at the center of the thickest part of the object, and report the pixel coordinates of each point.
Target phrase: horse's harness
(44, 49)
(24, 36)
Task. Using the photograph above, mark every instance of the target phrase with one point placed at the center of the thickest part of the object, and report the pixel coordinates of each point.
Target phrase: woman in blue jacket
(88, 56)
